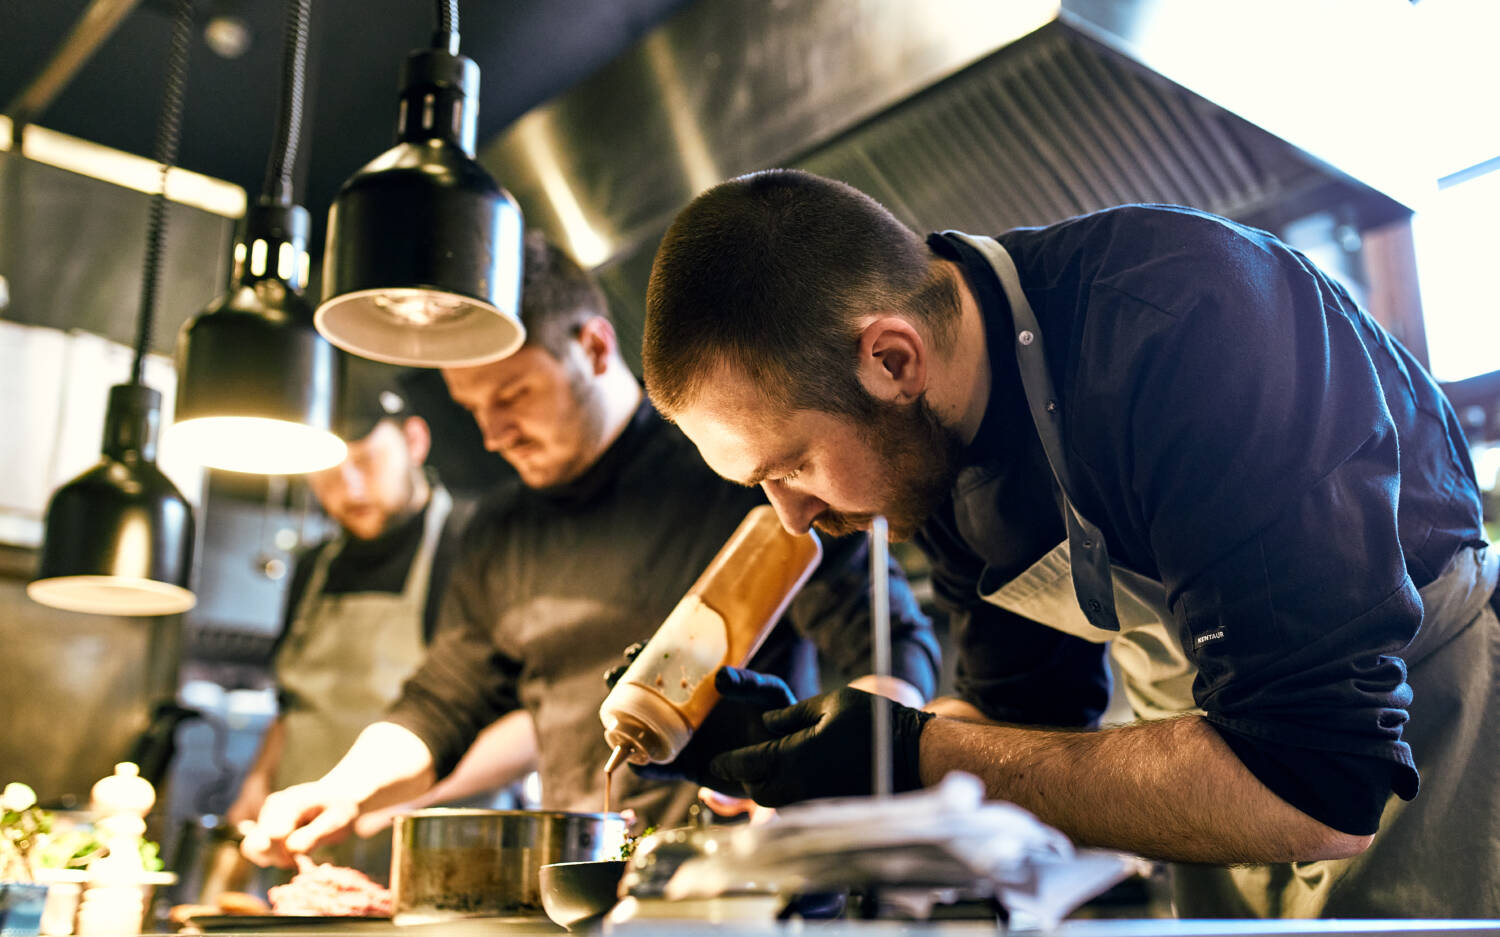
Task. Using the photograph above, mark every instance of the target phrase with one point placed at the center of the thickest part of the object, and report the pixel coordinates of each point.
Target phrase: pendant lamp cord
(446, 36)
(168, 136)
(283, 164)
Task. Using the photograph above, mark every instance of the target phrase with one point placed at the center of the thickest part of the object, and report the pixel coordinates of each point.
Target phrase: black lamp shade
(424, 256)
(119, 537)
(257, 385)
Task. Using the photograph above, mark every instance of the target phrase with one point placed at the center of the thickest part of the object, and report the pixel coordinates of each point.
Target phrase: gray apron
(342, 665)
(1423, 862)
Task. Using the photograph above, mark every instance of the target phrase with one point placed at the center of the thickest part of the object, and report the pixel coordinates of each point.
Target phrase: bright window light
(1457, 245)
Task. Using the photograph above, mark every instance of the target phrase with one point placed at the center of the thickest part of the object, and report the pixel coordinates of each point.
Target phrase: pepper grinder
(114, 903)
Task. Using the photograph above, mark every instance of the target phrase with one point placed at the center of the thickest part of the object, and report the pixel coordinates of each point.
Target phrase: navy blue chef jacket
(1242, 432)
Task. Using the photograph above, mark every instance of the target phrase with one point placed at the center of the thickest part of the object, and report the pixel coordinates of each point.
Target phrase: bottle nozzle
(615, 758)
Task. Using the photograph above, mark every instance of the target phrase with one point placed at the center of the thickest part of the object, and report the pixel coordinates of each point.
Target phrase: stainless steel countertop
(1097, 928)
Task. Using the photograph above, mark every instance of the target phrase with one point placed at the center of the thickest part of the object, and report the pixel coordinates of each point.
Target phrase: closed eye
(762, 476)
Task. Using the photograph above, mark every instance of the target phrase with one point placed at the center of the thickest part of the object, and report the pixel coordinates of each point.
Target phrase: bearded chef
(360, 609)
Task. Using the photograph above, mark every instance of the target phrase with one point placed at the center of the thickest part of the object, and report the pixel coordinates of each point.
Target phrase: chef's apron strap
(1090, 555)
(348, 656)
(312, 596)
(439, 506)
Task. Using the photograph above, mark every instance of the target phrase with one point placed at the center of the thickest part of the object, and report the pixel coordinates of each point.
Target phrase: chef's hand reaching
(296, 821)
(734, 722)
(822, 747)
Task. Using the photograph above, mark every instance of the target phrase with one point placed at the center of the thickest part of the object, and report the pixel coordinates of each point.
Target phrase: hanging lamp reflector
(258, 386)
(424, 257)
(119, 537)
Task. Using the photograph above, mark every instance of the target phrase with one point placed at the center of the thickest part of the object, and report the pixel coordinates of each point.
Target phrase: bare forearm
(268, 759)
(257, 782)
(955, 708)
(1167, 790)
(502, 754)
(386, 765)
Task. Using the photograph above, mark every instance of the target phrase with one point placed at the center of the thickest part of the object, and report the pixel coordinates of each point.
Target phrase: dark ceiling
(527, 50)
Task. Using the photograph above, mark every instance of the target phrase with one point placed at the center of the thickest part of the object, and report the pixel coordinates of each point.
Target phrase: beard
(919, 456)
(588, 429)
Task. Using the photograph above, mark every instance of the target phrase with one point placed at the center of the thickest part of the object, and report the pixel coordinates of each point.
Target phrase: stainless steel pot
(451, 863)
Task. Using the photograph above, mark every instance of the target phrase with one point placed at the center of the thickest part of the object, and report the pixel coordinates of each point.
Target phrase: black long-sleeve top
(1243, 433)
(552, 585)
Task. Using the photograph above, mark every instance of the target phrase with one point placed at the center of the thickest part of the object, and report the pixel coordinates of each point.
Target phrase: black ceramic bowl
(578, 894)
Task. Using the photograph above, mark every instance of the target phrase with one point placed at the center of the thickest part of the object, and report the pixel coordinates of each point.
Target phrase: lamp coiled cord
(446, 36)
(168, 137)
(279, 185)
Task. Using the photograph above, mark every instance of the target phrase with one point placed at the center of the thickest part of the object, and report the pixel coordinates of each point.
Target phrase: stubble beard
(918, 456)
(589, 429)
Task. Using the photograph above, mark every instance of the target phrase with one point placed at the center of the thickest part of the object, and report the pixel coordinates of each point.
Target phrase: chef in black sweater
(616, 518)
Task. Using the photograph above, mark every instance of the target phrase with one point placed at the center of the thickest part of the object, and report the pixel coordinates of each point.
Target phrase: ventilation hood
(978, 115)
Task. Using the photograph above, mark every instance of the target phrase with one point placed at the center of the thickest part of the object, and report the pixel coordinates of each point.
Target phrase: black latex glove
(823, 748)
(734, 722)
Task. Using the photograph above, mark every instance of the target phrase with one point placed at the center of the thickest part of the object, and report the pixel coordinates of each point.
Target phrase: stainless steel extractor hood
(975, 114)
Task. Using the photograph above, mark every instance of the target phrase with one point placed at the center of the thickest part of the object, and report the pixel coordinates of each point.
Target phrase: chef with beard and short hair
(1146, 432)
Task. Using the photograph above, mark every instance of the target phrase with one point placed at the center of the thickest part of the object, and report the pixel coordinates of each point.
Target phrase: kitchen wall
(976, 116)
(75, 690)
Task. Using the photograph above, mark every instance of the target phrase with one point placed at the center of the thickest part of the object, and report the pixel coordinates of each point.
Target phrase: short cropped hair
(557, 296)
(767, 274)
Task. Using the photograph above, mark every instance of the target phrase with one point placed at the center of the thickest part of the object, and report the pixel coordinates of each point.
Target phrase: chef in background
(1148, 430)
(361, 606)
(615, 520)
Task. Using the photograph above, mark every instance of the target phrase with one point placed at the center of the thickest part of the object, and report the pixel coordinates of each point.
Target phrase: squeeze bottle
(667, 692)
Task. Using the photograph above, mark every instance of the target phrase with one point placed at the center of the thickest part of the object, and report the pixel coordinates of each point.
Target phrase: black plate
(288, 924)
(291, 923)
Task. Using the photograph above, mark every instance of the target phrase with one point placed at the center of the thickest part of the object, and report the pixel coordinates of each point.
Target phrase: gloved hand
(823, 748)
(734, 722)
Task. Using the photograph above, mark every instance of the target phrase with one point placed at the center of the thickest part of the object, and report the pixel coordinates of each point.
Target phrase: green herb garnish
(627, 849)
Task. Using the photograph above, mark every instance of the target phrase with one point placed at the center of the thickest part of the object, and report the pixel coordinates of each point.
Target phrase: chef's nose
(352, 480)
(495, 425)
(795, 509)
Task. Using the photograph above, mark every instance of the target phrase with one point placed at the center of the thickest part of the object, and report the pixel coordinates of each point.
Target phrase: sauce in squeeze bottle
(667, 692)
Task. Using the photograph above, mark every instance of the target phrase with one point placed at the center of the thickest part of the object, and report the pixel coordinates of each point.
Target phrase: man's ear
(418, 438)
(892, 359)
(597, 339)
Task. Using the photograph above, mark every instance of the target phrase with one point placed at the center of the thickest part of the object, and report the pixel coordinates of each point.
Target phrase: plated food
(330, 890)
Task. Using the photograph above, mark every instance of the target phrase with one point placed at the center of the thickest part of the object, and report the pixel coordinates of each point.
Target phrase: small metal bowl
(578, 894)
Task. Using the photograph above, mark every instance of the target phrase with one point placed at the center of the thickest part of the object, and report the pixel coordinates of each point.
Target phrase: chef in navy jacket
(1149, 433)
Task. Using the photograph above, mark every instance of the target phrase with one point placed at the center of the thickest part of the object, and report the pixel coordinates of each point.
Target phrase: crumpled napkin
(942, 841)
